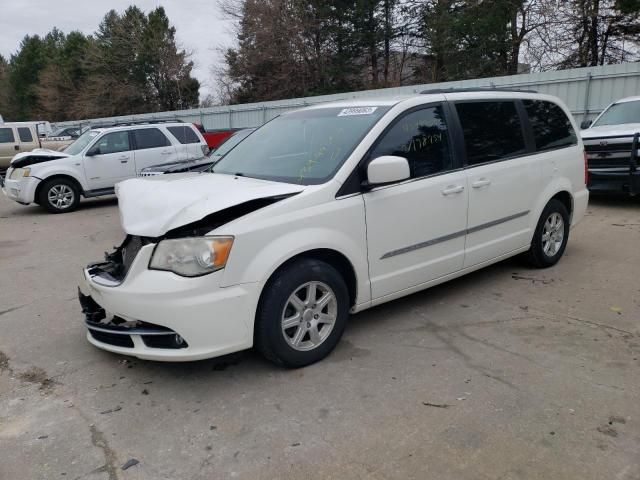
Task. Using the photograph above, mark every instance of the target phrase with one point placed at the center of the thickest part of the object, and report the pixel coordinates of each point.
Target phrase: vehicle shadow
(614, 201)
(35, 210)
(249, 364)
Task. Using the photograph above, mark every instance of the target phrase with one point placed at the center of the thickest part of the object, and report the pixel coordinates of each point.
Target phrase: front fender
(48, 171)
(257, 254)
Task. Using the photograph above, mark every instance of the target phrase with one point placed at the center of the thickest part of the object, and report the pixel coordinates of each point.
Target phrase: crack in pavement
(9, 310)
(99, 440)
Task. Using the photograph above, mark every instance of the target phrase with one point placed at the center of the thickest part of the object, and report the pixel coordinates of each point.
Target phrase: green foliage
(130, 65)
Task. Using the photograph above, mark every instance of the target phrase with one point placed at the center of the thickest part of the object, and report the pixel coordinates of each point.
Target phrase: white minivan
(96, 161)
(328, 211)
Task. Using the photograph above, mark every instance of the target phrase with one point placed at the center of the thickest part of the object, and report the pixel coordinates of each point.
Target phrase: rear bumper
(614, 181)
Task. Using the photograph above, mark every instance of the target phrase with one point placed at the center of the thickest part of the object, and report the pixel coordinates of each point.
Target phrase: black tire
(71, 190)
(537, 255)
(269, 334)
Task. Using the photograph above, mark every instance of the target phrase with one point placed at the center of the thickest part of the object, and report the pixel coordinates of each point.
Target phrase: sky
(200, 28)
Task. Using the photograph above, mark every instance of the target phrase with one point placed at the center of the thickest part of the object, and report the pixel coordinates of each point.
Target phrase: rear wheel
(59, 195)
(302, 313)
(551, 235)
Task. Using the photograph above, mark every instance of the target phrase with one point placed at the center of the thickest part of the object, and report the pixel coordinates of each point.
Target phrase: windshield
(231, 142)
(619, 113)
(59, 133)
(83, 140)
(305, 147)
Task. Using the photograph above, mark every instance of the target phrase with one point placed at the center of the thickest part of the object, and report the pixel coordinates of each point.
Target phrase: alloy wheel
(552, 234)
(61, 196)
(309, 315)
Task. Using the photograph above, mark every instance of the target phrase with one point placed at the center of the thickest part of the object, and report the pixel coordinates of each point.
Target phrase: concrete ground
(508, 373)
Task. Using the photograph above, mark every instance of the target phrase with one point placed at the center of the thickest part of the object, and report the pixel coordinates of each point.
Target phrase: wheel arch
(330, 256)
(564, 197)
(59, 176)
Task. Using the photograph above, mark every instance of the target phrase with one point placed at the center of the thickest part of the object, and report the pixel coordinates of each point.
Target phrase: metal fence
(587, 91)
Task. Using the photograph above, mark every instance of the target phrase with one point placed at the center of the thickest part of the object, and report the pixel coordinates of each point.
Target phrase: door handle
(451, 189)
(124, 159)
(165, 153)
(483, 182)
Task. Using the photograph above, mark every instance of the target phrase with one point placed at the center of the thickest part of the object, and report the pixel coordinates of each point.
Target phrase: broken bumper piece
(157, 315)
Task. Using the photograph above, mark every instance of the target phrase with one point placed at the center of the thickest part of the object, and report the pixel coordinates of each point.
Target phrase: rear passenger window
(25, 134)
(492, 130)
(550, 125)
(150, 138)
(422, 138)
(6, 135)
(184, 134)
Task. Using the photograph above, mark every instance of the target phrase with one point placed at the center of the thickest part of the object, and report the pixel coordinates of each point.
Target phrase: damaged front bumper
(157, 315)
(21, 190)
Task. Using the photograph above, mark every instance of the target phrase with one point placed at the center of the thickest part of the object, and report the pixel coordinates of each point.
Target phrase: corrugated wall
(587, 91)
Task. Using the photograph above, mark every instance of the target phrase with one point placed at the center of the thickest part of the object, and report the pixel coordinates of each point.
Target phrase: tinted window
(551, 127)
(492, 130)
(420, 137)
(150, 138)
(113, 143)
(6, 135)
(184, 134)
(25, 134)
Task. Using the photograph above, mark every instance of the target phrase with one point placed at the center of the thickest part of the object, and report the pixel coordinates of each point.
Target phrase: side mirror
(387, 169)
(585, 124)
(93, 151)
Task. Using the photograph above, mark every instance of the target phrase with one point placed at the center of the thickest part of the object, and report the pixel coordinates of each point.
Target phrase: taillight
(586, 168)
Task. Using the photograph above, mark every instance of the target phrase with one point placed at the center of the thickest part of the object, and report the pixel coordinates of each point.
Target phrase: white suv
(96, 161)
(331, 210)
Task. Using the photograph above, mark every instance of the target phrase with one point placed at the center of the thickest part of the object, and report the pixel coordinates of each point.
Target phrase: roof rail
(475, 89)
(135, 122)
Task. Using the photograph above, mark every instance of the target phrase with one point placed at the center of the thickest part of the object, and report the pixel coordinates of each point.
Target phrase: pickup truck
(611, 145)
(20, 137)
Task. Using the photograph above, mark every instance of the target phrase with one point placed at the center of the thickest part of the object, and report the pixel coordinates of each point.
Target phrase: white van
(328, 211)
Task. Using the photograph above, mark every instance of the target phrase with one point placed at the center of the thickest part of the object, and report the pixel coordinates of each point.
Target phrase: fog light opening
(179, 341)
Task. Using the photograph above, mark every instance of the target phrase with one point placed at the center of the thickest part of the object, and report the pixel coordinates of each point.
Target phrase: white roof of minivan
(436, 95)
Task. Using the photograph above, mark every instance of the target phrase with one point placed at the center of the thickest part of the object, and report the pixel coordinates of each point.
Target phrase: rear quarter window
(550, 125)
(184, 134)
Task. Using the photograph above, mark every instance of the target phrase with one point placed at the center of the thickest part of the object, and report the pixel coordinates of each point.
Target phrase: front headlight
(20, 172)
(192, 257)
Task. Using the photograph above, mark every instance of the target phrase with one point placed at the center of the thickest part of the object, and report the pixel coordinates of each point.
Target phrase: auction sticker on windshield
(357, 111)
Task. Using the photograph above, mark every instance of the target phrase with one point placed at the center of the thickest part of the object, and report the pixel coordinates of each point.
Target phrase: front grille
(117, 340)
(149, 174)
(608, 151)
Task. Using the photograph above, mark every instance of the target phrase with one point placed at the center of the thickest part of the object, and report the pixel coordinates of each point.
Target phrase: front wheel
(551, 235)
(302, 313)
(59, 195)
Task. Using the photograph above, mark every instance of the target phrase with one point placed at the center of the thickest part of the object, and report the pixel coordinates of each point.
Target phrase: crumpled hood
(37, 155)
(610, 131)
(152, 206)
